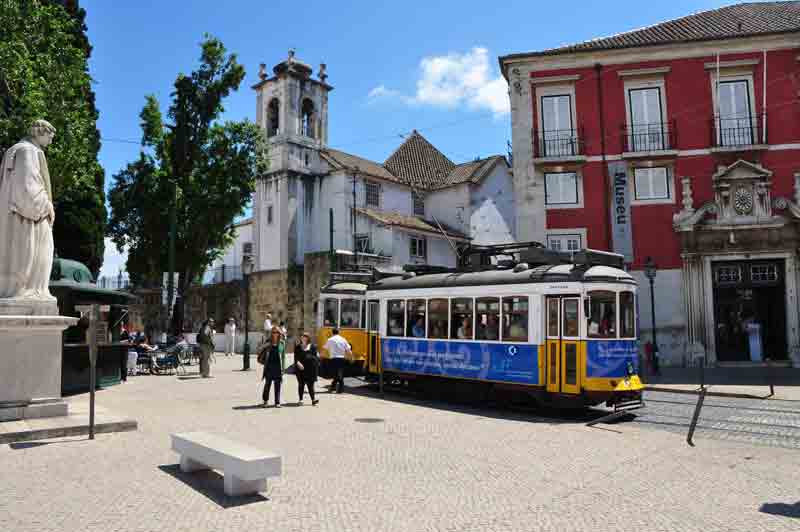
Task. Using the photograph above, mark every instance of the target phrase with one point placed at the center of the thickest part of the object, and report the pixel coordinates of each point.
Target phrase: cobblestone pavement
(759, 422)
(420, 465)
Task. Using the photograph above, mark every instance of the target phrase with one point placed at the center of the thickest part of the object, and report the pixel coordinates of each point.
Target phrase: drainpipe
(606, 180)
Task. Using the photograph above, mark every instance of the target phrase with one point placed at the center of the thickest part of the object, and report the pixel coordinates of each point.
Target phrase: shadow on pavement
(31, 444)
(249, 407)
(783, 509)
(484, 407)
(211, 484)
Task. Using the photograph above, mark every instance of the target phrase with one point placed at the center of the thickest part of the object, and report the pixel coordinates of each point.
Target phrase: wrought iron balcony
(739, 132)
(654, 137)
(558, 143)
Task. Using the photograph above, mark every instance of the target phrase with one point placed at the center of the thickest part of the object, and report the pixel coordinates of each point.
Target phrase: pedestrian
(306, 363)
(284, 331)
(272, 355)
(338, 348)
(267, 327)
(205, 339)
(230, 337)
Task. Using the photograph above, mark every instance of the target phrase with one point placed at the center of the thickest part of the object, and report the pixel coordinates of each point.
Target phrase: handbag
(291, 370)
(262, 354)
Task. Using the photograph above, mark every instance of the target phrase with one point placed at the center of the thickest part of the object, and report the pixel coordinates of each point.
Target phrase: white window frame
(648, 83)
(580, 232)
(578, 186)
(411, 239)
(735, 74)
(417, 199)
(670, 199)
(367, 185)
(555, 90)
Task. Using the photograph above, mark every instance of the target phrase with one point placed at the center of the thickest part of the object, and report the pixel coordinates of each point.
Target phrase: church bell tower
(292, 109)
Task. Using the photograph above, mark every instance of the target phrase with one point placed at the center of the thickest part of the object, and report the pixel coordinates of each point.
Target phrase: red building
(678, 142)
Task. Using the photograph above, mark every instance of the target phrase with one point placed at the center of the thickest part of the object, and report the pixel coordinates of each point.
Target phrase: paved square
(360, 463)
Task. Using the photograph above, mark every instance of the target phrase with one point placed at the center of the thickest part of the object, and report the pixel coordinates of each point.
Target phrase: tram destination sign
(621, 236)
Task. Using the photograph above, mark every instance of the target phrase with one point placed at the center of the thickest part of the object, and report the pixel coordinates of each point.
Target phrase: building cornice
(643, 54)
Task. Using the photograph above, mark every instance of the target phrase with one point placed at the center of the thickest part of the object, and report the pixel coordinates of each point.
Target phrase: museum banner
(621, 235)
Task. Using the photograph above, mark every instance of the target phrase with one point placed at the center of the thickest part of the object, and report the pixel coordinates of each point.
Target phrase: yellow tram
(561, 328)
(343, 305)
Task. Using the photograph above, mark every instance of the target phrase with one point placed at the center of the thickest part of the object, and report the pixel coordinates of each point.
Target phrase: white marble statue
(26, 217)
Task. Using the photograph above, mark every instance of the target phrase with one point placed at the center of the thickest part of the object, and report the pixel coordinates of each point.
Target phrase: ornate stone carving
(688, 201)
(742, 191)
(685, 221)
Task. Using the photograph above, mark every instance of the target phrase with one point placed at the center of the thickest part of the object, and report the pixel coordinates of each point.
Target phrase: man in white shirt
(338, 348)
(267, 327)
(230, 337)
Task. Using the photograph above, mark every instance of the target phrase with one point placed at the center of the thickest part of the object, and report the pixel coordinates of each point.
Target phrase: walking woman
(273, 358)
(306, 364)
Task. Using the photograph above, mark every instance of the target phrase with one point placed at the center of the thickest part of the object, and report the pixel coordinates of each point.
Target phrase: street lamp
(247, 269)
(650, 271)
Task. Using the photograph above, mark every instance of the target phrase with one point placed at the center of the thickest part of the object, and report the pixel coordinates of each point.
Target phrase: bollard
(701, 397)
(770, 377)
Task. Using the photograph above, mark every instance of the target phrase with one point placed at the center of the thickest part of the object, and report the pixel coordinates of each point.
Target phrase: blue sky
(395, 66)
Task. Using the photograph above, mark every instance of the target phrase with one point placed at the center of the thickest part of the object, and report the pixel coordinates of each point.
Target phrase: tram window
(552, 317)
(437, 318)
(350, 312)
(571, 321)
(515, 319)
(602, 317)
(627, 318)
(331, 312)
(415, 324)
(461, 318)
(396, 317)
(487, 326)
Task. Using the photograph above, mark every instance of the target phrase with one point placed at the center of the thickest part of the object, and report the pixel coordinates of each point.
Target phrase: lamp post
(247, 269)
(650, 270)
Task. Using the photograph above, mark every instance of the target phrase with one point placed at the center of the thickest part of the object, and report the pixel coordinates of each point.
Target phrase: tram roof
(345, 288)
(540, 274)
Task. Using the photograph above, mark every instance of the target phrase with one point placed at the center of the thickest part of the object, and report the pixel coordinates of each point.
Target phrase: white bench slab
(245, 468)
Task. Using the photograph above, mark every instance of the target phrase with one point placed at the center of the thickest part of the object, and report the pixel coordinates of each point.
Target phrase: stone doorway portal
(749, 310)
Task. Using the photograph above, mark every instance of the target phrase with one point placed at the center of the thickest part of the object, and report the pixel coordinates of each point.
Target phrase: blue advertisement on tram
(610, 358)
(502, 362)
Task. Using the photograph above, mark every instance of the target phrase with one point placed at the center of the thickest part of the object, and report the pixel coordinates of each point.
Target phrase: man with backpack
(205, 340)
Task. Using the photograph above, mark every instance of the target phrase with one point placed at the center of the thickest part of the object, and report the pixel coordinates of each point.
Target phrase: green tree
(44, 73)
(212, 165)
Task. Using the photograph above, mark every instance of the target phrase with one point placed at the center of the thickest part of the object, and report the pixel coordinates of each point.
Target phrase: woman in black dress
(306, 367)
(273, 366)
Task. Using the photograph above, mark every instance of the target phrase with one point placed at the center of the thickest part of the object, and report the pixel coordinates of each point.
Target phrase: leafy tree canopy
(212, 164)
(44, 73)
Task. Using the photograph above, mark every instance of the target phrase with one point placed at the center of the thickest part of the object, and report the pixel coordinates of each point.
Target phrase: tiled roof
(417, 162)
(471, 172)
(409, 222)
(342, 160)
(739, 20)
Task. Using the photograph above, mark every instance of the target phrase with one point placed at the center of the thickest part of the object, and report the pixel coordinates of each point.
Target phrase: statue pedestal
(30, 363)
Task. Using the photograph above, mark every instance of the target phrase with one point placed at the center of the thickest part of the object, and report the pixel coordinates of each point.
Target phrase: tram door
(373, 338)
(562, 344)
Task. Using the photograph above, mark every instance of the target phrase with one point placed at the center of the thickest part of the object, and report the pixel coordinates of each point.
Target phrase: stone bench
(245, 468)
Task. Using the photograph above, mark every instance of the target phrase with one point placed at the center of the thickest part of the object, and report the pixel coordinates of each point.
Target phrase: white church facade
(413, 208)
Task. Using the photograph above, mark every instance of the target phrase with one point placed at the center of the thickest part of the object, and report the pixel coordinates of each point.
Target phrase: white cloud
(453, 80)
(113, 260)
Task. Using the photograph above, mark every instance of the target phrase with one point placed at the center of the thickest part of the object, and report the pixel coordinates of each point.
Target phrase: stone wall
(316, 273)
(280, 293)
